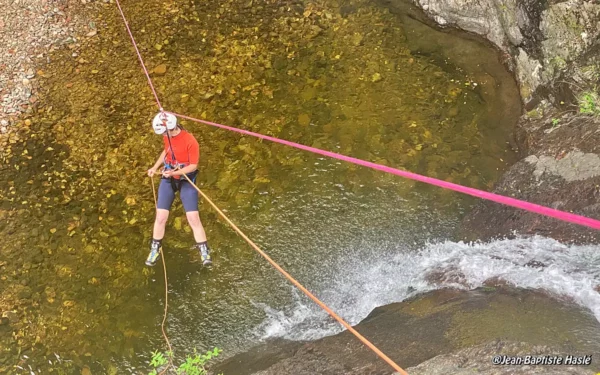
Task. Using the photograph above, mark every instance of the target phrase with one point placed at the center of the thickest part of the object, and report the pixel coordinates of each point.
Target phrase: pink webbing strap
(542, 210)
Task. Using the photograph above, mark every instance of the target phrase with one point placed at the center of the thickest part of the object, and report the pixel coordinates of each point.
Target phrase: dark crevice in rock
(529, 15)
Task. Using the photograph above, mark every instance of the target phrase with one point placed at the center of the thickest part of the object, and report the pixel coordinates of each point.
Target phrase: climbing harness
(546, 211)
(176, 182)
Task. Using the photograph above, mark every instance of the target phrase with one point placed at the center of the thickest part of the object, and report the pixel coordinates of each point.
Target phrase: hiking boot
(155, 250)
(204, 253)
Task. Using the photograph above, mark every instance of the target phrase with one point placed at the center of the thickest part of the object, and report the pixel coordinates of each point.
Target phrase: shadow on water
(352, 78)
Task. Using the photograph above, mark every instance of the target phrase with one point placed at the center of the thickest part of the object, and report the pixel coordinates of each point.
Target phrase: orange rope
(162, 326)
(300, 286)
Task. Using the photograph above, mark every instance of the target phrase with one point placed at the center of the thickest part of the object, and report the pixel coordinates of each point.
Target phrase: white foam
(363, 282)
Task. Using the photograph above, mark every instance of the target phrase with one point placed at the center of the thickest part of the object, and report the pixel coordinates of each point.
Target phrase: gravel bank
(29, 31)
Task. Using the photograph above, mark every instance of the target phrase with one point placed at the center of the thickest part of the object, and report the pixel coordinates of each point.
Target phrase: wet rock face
(562, 171)
(542, 37)
(437, 324)
(496, 20)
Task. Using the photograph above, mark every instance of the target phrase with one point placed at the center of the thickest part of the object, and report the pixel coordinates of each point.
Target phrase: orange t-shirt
(185, 147)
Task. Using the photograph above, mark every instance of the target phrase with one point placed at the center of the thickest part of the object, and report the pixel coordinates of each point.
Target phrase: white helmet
(163, 121)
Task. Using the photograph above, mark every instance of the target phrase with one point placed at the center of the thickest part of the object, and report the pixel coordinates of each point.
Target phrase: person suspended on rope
(180, 156)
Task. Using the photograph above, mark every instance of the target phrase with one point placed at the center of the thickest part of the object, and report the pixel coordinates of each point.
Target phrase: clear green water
(76, 208)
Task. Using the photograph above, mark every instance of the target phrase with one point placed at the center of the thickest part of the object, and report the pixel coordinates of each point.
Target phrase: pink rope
(542, 210)
(139, 56)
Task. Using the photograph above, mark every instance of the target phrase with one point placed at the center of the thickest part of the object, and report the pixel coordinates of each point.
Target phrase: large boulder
(562, 171)
(433, 324)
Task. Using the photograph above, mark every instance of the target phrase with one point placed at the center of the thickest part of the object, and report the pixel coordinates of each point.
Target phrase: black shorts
(187, 193)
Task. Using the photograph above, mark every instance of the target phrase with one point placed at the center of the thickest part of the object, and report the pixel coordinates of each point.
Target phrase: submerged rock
(160, 69)
(304, 119)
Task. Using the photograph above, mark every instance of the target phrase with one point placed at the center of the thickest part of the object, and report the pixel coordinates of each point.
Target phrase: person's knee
(161, 218)
(193, 219)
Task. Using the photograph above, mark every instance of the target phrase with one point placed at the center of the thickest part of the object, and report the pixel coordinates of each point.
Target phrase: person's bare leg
(160, 223)
(193, 218)
(158, 233)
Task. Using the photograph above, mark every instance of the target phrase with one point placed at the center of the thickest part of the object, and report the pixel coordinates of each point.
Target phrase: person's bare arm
(158, 163)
